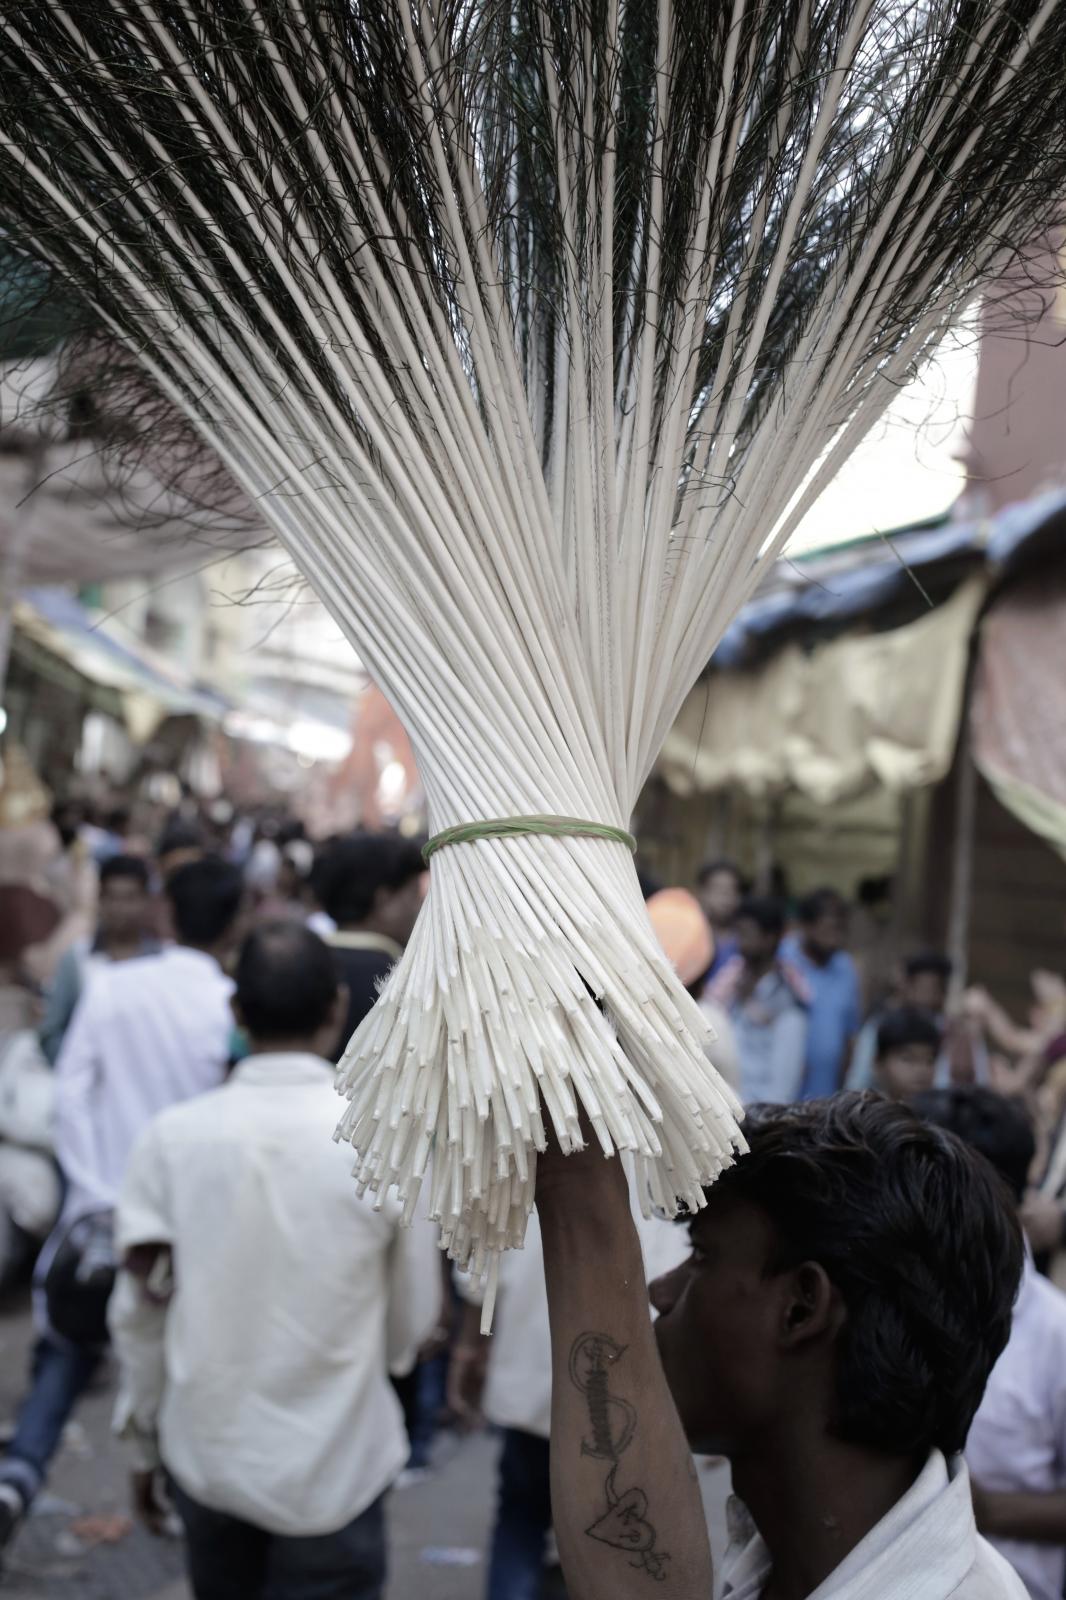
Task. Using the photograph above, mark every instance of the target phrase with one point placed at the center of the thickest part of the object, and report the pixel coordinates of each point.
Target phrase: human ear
(811, 1307)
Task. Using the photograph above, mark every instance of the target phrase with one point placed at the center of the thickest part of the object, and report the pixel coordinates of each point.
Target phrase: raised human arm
(625, 1501)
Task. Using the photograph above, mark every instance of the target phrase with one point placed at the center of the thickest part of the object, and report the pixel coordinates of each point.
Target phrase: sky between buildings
(905, 470)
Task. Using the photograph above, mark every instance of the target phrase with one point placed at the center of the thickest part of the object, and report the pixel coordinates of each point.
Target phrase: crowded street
(532, 800)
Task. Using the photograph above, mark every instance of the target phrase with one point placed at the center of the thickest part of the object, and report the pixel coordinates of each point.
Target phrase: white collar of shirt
(282, 1068)
(191, 957)
(366, 941)
(921, 1550)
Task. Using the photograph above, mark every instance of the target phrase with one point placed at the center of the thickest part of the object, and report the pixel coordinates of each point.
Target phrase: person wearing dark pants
(146, 1033)
(229, 1558)
(60, 1373)
(254, 1358)
(523, 1517)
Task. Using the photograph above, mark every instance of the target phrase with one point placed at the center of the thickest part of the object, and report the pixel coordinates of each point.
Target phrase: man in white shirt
(1016, 1451)
(147, 1032)
(849, 1291)
(261, 1380)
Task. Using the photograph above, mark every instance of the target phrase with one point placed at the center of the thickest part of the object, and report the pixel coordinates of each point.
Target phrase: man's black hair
(286, 981)
(817, 903)
(907, 1025)
(180, 835)
(710, 868)
(205, 897)
(998, 1126)
(929, 961)
(67, 818)
(918, 1237)
(124, 867)
(767, 913)
(350, 871)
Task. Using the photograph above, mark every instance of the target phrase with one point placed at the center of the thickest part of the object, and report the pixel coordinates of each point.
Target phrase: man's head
(122, 911)
(719, 887)
(371, 881)
(908, 1043)
(823, 920)
(206, 901)
(852, 1280)
(287, 995)
(179, 843)
(925, 981)
(117, 821)
(758, 926)
(998, 1127)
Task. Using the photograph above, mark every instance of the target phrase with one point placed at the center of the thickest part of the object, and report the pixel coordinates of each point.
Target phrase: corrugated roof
(827, 589)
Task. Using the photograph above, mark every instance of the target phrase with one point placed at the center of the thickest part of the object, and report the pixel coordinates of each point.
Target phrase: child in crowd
(908, 1043)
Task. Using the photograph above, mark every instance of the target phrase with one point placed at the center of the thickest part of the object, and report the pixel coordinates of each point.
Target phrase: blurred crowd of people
(174, 991)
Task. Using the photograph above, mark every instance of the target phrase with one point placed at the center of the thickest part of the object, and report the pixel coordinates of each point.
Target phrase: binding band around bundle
(515, 827)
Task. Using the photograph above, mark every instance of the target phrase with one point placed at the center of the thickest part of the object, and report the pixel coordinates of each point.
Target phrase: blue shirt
(771, 1033)
(833, 1018)
(724, 950)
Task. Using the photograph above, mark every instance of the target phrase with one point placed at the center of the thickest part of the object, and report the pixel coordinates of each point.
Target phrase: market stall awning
(57, 623)
(831, 589)
(866, 709)
(1018, 713)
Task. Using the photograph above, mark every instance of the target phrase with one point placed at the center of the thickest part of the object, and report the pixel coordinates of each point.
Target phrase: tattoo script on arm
(624, 1524)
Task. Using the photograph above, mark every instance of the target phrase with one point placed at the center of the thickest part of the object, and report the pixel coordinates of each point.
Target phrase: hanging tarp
(1018, 712)
(873, 708)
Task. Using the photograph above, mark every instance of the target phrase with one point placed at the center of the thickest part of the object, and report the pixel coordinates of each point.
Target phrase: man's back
(363, 962)
(147, 1033)
(291, 1296)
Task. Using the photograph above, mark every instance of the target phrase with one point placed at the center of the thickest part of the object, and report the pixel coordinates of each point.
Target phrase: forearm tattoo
(613, 1421)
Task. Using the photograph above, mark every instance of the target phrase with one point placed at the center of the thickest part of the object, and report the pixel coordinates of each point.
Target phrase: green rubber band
(513, 827)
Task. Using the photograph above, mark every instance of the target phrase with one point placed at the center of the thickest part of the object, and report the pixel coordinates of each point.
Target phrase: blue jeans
(233, 1560)
(60, 1373)
(420, 1394)
(523, 1518)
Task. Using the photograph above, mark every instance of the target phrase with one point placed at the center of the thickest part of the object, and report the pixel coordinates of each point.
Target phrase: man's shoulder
(122, 981)
(190, 1118)
(1049, 1301)
(844, 967)
(1040, 1321)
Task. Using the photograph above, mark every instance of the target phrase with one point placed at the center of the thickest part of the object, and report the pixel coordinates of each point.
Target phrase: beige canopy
(867, 709)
